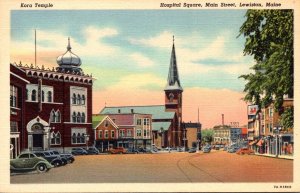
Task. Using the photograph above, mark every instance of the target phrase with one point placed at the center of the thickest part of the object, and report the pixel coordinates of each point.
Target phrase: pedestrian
(284, 149)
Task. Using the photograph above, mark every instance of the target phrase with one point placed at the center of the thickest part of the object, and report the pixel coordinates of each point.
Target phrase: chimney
(223, 120)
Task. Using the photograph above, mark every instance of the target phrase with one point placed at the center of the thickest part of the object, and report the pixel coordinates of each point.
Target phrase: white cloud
(141, 60)
(190, 52)
(53, 41)
(161, 41)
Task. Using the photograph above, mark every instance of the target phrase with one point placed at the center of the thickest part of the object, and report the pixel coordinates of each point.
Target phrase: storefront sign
(252, 109)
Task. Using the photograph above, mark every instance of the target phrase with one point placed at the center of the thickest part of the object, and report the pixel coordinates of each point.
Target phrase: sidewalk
(274, 156)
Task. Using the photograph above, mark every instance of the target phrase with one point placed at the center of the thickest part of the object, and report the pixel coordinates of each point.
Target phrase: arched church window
(52, 138)
(78, 117)
(74, 117)
(43, 96)
(58, 116)
(57, 138)
(74, 138)
(74, 99)
(83, 99)
(83, 117)
(78, 99)
(82, 138)
(49, 96)
(52, 116)
(78, 138)
(33, 95)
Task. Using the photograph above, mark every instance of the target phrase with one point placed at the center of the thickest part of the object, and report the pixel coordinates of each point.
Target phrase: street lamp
(277, 128)
(162, 136)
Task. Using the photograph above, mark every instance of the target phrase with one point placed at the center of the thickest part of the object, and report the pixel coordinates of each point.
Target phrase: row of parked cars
(41, 161)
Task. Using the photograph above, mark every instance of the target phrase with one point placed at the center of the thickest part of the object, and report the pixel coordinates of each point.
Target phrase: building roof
(96, 119)
(156, 126)
(69, 62)
(157, 111)
(122, 119)
(191, 125)
(173, 82)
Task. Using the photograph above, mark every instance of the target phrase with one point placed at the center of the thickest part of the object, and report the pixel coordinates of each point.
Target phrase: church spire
(173, 82)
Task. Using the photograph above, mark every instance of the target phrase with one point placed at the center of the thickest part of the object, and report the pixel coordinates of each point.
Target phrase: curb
(271, 156)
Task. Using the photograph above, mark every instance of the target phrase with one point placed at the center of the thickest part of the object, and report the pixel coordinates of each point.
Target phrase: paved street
(218, 166)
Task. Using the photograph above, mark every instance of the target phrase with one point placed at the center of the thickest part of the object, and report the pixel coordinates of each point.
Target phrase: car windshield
(24, 155)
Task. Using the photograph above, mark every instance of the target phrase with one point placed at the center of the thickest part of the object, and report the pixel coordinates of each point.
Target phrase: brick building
(266, 135)
(50, 108)
(191, 134)
(129, 130)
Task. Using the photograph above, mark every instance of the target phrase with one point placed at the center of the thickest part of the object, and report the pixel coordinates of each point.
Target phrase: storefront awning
(260, 142)
(252, 142)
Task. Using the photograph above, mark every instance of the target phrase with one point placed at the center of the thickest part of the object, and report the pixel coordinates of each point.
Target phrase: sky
(128, 52)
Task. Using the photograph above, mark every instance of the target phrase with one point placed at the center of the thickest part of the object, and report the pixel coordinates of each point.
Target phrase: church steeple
(173, 82)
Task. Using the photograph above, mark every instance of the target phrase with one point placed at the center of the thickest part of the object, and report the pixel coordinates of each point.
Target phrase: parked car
(243, 151)
(54, 152)
(30, 162)
(206, 149)
(78, 151)
(117, 150)
(193, 150)
(92, 151)
(52, 159)
(70, 158)
(233, 149)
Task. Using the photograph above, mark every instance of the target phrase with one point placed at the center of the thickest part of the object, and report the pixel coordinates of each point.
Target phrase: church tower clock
(173, 98)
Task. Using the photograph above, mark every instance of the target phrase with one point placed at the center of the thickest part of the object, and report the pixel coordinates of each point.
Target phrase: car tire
(56, 164)
(41, 168)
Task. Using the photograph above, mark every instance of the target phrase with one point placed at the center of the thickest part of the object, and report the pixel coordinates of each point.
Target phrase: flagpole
(35, 47)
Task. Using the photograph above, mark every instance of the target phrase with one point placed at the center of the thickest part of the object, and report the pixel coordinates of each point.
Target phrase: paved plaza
(217, 166)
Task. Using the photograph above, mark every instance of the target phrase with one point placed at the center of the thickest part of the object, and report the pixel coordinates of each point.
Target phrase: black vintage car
(92, 151)
(53, 159)
(29, 162)
(79, 151)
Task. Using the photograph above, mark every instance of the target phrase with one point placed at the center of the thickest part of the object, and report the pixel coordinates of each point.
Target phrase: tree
(269, 39)
(287, 118)
(207, 135)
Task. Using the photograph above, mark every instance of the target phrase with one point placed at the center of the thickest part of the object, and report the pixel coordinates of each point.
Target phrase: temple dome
(69, 62)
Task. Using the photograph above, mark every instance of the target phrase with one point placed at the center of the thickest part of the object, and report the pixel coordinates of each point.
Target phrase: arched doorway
(37, 136)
